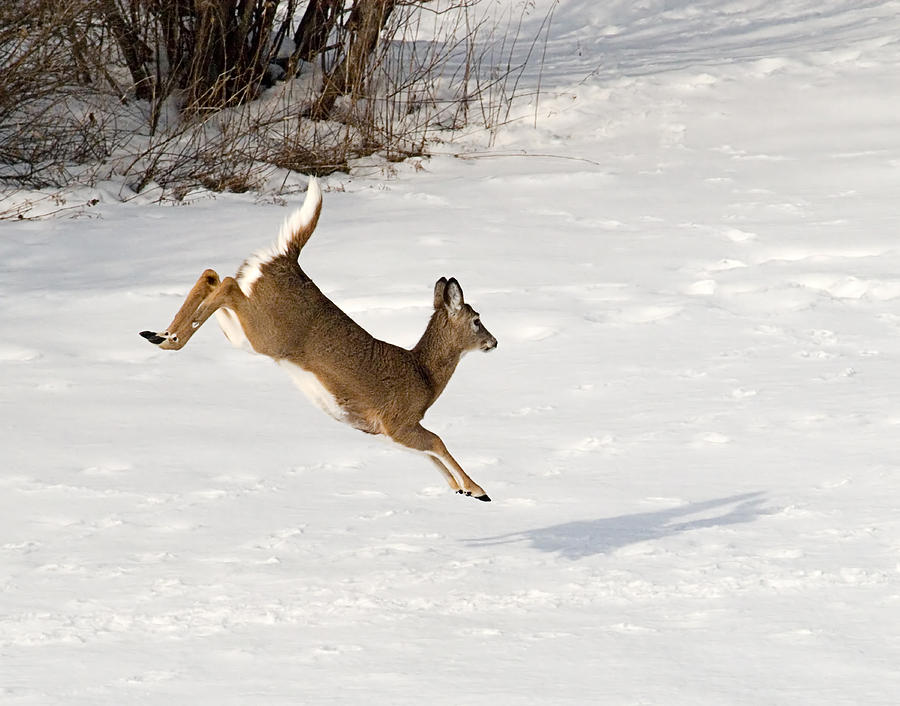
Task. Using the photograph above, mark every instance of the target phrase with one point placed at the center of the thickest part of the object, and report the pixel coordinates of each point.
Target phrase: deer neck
(437, 355)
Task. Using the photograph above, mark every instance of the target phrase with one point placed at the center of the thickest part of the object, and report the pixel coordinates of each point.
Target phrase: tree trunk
(134, 51)
(230, 52)
(311, 37)
(348, 76)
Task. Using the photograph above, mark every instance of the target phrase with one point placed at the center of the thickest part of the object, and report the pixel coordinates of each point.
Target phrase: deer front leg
(420, 439)
(451, 479)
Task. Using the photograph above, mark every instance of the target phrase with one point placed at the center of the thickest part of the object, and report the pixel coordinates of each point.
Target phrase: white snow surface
(689, 429)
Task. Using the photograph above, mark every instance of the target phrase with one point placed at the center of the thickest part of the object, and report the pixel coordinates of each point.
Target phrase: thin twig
(544, 155)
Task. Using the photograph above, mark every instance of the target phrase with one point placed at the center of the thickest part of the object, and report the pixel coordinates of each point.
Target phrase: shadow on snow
(576, 540)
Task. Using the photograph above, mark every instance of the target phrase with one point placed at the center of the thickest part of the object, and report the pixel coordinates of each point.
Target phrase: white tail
(274, 308)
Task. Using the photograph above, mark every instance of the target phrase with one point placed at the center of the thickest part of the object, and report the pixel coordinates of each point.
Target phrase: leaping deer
(377, 387)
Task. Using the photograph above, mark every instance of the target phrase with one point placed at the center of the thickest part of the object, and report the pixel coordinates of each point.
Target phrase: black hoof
(483, 498)
(153, 337)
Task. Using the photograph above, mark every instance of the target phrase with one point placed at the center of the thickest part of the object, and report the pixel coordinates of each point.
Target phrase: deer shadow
(584, 538)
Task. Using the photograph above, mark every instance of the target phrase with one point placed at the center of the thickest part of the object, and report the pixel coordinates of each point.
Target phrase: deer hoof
(468, 493)
(153, 337)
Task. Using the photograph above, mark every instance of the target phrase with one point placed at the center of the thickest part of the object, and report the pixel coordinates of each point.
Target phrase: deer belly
(315, 391)
(231, 327)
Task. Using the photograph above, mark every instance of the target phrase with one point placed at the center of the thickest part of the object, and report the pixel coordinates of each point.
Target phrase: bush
(220, 93)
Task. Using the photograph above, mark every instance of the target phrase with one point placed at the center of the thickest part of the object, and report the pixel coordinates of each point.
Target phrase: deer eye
(476, 324)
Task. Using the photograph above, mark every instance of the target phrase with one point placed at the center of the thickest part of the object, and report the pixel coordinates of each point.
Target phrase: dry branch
(177, 94)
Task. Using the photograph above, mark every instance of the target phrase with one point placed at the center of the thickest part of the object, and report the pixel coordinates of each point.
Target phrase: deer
(272, 308)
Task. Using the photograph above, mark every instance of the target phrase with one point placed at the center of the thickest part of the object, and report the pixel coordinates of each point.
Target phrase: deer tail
(299, 226)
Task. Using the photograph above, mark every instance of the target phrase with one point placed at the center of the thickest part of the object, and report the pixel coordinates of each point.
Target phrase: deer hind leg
(207, 295)
(420, 439)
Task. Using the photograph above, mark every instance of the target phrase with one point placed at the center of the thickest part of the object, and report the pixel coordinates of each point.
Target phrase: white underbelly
(234, 332)
(317, 393)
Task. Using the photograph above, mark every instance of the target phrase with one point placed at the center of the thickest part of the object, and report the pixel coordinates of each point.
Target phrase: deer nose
(490, 345)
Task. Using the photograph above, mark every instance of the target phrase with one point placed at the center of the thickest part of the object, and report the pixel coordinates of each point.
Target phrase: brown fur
(381, 388)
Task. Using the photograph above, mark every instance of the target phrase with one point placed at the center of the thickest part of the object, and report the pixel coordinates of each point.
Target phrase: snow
(688, 429)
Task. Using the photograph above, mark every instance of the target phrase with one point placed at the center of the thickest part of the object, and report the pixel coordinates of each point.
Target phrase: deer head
(459, 322)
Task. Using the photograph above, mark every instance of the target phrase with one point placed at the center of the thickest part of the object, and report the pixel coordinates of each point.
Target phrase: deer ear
(439, 288)
(453, 296)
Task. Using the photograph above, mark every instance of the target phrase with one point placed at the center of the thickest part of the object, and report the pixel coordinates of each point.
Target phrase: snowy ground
(689, 428)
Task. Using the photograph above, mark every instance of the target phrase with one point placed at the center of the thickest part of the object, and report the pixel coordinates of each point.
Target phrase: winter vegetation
(175, 95)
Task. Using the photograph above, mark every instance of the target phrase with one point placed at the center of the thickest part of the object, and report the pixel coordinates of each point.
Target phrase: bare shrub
(219, 94)
(39, 65)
